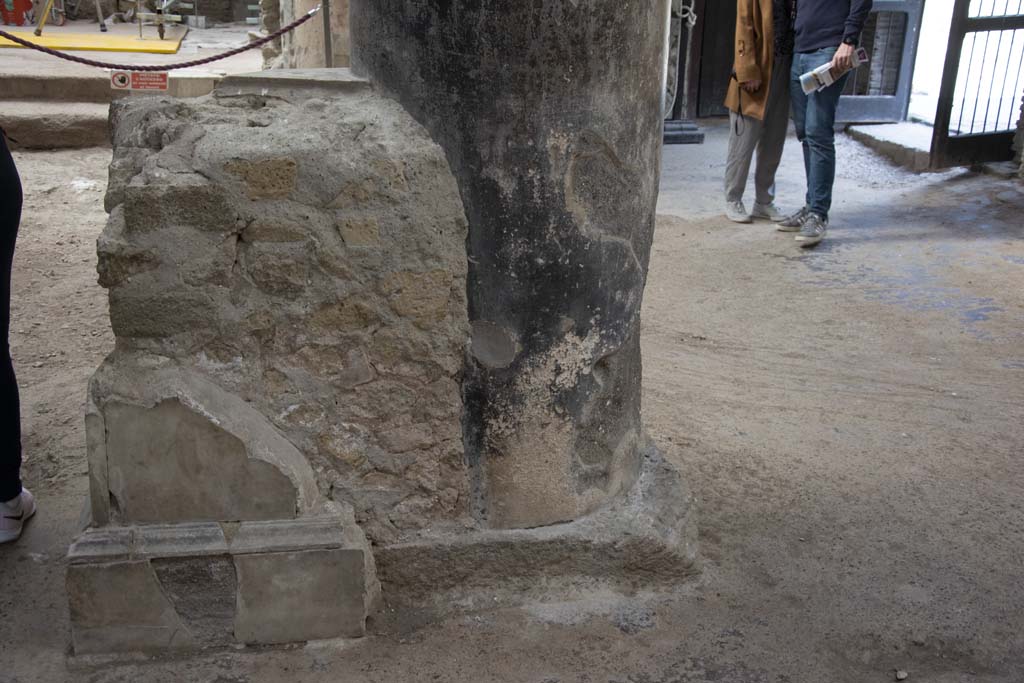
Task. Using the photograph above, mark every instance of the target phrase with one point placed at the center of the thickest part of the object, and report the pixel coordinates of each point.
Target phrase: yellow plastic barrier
(102, 42)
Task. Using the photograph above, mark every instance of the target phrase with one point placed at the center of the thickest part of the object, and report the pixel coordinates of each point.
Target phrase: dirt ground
(852, 419)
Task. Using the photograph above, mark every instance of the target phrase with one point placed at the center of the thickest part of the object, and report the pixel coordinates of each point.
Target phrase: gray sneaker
(813, 230)
(795, 222)
(737, 213)
(767, 211)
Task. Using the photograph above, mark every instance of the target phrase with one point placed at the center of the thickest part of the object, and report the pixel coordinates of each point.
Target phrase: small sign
(138, 80)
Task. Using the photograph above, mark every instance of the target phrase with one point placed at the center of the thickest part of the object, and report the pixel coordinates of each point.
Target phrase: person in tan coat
(758, 101)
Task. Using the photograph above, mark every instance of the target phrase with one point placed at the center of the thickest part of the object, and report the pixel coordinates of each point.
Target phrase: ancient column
(550, 114)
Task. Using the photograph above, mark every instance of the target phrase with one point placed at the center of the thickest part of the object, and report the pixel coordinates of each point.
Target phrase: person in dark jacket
(16, 503)
(827, 31)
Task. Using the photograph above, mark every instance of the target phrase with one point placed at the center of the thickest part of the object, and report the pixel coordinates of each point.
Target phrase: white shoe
(737, 213)
(768, 211)
(14, 514)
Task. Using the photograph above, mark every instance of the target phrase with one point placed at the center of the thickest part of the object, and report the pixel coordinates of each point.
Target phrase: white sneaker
(14, 514)
(737, 213)
(768, 211)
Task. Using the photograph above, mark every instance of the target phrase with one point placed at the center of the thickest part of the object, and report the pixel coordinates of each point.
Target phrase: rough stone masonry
(308, 259)
(287, 290)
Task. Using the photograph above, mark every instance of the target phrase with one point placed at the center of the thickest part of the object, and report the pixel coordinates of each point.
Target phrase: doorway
(879, 93)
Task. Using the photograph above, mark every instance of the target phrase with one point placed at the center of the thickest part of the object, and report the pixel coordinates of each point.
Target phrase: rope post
(325, 12)
(43, 17)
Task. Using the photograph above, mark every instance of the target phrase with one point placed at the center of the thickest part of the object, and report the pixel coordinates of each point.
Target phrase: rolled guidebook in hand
(825, 75)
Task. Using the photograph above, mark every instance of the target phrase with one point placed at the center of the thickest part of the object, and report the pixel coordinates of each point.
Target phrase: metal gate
(879, 93)
(980, 99)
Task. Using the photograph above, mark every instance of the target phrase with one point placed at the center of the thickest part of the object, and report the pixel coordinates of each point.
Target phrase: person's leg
(821, 136)
(798, 101)
(744, 133)
(773, 134)
(10, 411)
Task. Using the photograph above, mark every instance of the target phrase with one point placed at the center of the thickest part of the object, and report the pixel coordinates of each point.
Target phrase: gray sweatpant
(768, 137)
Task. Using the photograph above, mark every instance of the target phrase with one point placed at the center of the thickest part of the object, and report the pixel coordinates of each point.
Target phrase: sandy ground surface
(852, 419)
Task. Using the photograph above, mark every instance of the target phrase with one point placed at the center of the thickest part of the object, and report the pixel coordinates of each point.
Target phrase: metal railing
(987, 94)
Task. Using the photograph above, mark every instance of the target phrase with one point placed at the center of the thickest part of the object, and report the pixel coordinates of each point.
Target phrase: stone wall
(217, 11)
(303, 48)
(308, 259)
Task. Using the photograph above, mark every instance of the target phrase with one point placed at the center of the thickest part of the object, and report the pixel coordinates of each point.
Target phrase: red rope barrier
(164, 67)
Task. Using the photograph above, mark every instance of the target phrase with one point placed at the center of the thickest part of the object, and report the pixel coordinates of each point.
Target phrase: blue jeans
(814, 116)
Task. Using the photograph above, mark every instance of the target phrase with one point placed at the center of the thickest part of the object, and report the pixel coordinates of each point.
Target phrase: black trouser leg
(10, 409)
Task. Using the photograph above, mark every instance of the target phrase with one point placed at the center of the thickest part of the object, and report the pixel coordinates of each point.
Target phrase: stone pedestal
(209, 528)
(286, 268)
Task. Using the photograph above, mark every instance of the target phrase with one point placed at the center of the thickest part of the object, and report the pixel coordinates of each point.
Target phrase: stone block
(159, 313)
(182, 586)
(360, 232)
(166, 445)
(347, 368)
(423, 297)
(167, 463)
(266, 178)
(197, 206)
(119, 607)
(119, 261)
(281, 271)
(351, 314)
(270, 230)
(310, 595)
(202, 591)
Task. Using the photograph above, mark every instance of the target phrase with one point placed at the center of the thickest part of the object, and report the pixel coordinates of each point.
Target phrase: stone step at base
(55, 125)
(648, 537)
(92, 85)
